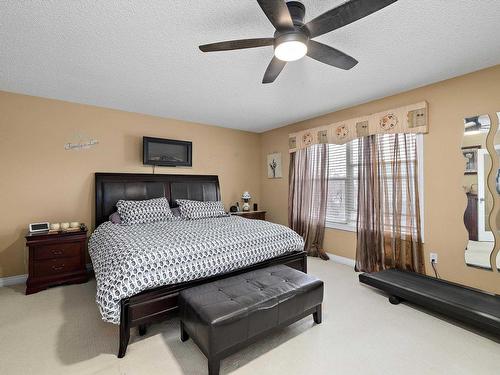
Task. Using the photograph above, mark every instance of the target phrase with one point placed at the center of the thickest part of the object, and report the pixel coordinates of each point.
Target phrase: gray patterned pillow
(198, 210)
(146, 211)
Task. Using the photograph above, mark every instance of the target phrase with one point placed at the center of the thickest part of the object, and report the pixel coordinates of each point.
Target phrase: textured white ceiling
(142, 56)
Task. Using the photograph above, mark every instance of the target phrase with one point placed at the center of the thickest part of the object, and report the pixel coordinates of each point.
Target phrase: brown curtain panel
(307, 196)
(388, 224)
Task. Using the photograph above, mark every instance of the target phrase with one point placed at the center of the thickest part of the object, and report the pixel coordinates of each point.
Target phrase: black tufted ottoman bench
(226, 315)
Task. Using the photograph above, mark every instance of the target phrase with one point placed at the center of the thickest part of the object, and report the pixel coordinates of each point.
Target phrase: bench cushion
(226, 312)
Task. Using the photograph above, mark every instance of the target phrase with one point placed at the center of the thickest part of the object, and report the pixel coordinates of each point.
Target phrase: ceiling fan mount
(297, 12)
(293, 37)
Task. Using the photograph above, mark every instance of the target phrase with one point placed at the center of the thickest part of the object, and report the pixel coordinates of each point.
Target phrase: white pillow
(143, 212)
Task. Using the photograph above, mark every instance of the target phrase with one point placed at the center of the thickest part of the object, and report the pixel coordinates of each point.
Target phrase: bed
(134, 291)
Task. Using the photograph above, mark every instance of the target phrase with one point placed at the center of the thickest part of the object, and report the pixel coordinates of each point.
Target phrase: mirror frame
(493, 131)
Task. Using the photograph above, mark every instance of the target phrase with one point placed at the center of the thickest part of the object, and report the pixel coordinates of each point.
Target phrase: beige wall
(444, 204)
(40, 181)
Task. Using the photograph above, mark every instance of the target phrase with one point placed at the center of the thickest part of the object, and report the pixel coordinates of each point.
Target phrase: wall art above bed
(80, 141)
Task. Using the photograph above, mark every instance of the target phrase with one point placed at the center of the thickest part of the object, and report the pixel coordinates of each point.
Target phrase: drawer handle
(58, 268)
(57, 252)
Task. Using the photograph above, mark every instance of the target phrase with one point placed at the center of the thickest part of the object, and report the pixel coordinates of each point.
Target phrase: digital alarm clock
(39, 227)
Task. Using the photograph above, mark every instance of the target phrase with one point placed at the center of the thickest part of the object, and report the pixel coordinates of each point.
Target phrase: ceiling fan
(293, 38)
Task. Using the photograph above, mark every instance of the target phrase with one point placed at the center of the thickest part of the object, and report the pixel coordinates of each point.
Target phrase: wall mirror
(497, 190)
(480, 200)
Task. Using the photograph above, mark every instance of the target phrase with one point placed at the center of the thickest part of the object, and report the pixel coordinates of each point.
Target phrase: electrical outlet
(433, 257)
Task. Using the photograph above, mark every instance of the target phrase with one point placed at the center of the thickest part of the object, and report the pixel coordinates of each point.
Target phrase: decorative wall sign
(274, 165)
(408, 119)
(80, 141)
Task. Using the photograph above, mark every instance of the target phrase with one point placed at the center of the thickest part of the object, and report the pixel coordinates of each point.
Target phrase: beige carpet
(59, 331)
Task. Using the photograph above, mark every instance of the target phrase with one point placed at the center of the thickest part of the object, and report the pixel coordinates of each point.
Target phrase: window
(341, 212)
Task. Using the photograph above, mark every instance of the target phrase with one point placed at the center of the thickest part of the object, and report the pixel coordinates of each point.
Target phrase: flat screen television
(167, 152)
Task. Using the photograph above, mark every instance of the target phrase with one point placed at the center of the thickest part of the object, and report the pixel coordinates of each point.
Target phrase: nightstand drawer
(56, 266)
(257, 215)
(57, 250)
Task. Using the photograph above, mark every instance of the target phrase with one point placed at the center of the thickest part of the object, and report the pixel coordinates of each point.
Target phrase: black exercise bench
(471, 306)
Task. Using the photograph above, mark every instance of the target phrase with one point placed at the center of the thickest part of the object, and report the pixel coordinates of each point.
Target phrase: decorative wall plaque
(342, 131)
(323, 136)
(389, 121)
(362, 129)
(307, 138)
(80, 141)
(417, 118)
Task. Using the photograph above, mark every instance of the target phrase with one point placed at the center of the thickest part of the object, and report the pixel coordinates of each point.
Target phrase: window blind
(343, 178)
(342, 183)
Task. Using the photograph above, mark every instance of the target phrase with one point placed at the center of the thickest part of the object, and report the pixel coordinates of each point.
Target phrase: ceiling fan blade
(237, 44)
(273, 70)
(278, 14)
(344, 14)
(330, 55)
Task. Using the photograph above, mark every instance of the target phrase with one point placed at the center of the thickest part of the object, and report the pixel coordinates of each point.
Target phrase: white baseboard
(342, 260)
(21, 279)
(13, 280)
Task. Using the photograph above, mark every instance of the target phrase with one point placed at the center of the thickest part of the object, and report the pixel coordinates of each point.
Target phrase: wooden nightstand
(259, 215)
(56, 259)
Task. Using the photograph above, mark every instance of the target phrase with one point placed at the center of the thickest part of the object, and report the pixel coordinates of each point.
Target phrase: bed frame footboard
(156, 305)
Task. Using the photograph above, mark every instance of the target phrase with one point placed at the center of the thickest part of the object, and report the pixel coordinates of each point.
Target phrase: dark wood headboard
(111, 187)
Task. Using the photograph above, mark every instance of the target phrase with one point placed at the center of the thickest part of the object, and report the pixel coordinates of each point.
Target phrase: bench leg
(184, 334)
(317, 315)
(142, 329)
(213, 366)
(395, 300)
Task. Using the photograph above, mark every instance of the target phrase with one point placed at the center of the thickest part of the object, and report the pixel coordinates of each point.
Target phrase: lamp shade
(246, 195)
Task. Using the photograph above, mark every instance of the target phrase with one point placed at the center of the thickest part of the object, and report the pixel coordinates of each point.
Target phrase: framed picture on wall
(274, 165)
(470, 155)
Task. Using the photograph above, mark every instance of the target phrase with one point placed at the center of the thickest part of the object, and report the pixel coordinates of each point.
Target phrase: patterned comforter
(128, 259)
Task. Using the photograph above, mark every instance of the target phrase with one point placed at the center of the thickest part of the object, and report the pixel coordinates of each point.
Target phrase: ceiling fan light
(290, 50)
